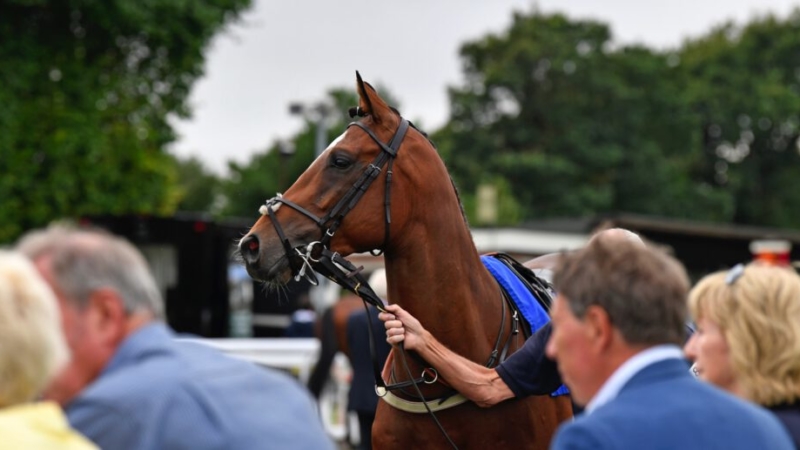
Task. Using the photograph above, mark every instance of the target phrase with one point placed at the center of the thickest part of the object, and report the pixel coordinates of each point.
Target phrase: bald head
(617, 235)
(543, 265)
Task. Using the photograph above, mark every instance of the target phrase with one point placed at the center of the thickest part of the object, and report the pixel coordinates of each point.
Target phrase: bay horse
(413, 214)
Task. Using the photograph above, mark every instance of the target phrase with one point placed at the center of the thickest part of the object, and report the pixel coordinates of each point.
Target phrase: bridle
(305, 258)
(316, 256)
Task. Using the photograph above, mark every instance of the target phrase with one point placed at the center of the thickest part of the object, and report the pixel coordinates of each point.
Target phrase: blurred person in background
(748, 337)
(32, 349)
(362, 398)
(303, 319)
(131, 385)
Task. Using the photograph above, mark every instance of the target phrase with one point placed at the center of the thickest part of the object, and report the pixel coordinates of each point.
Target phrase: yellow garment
(39, 426)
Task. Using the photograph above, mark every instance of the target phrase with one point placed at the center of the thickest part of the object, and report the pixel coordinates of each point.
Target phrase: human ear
(108, 316)
(598, 326)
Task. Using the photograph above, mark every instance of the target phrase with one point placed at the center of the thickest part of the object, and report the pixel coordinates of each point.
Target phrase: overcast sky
(286, 51)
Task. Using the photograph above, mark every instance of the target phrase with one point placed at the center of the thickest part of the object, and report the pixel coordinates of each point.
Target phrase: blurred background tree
(198, 188)
(575, 126)
(87, 89)
(743, 87)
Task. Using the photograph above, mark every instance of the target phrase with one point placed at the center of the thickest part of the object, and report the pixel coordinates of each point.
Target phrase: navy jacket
(789, 415)
(664, 408)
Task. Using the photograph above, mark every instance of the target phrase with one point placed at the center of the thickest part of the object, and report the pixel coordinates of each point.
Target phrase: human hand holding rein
(402, 327)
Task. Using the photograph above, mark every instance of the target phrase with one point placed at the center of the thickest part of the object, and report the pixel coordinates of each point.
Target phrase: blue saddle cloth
(528, 305)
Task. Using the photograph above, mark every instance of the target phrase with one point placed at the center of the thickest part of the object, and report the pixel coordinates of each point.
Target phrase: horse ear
(370, 102)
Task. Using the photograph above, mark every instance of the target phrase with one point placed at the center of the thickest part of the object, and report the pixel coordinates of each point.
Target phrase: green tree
(198, 188)
(86, 90)
(575, 126)
(743, 84)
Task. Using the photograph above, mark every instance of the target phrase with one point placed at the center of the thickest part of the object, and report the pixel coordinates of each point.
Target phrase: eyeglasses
(734, 274)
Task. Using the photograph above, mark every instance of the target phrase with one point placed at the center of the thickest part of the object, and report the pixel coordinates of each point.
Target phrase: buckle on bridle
(311, 254)
(306, 271)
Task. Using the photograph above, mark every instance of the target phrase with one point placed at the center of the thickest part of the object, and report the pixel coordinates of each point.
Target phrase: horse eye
(340, 162)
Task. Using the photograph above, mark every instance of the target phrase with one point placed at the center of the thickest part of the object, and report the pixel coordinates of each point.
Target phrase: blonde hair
(32, 346)
(759, 315)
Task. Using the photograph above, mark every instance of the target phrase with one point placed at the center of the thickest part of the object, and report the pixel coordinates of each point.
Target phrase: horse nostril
(249, 249)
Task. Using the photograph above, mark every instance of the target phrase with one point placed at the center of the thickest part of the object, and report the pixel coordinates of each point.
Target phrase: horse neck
(436, 274)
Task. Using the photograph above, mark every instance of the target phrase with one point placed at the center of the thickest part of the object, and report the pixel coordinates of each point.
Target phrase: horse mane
(458, 198)
(452, 182)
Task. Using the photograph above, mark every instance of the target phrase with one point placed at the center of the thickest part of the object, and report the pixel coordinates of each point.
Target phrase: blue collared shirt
(157, 393)
(627, 370)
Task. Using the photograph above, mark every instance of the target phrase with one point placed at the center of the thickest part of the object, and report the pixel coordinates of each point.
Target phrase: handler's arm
(478, 383)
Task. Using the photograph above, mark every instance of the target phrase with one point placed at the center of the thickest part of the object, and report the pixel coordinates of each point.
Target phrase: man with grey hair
(131, 385)
(618, 323)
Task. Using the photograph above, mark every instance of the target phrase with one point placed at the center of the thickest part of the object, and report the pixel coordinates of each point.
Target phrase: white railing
(296, 355)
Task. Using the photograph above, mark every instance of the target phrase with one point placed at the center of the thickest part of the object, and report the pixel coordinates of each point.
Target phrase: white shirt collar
(610, 389)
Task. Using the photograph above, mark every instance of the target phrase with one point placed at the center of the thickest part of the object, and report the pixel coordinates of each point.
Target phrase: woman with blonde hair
(748, 337)
(32, 351)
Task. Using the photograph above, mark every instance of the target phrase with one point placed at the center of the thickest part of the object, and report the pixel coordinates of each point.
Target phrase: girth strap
(419, 407)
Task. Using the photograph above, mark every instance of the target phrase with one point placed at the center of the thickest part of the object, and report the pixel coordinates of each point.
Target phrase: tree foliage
(573, 125)
(87, 90)
(198, 189)
(578, 127)
(743, 84)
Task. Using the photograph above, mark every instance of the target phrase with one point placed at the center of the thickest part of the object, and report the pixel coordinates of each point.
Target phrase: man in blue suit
(618, 322)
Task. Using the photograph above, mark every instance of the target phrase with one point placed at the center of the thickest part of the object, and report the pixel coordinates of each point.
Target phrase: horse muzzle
(260, 266)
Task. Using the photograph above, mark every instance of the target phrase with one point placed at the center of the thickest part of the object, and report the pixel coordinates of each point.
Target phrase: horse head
(344, 200)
